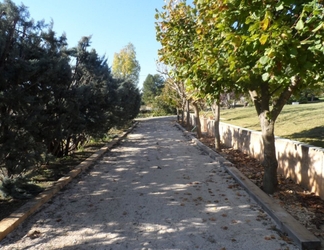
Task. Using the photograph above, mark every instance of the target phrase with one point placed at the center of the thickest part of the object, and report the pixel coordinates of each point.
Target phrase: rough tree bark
(183, 106)
(178, 115)
(216, 125)
(188, 112)
(269, 162)
(267, 117)
(198, 126)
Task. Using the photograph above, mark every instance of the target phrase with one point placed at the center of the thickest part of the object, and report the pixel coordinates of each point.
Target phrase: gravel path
(156, 190)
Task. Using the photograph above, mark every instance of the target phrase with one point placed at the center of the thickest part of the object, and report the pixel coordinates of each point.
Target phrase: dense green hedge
(52, 97)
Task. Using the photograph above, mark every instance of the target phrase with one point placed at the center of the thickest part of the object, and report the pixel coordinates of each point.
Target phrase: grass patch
(303, 122)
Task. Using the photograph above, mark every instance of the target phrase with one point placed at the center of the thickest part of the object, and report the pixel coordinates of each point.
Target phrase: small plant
(18, 188)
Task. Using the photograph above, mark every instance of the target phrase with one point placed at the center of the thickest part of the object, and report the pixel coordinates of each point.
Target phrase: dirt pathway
(153, 191)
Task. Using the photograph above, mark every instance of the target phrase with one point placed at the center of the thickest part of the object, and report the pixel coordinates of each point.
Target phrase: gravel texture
(155, 190)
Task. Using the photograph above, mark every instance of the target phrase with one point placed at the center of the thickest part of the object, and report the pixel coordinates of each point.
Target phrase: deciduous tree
(125, 65)
(270, 49)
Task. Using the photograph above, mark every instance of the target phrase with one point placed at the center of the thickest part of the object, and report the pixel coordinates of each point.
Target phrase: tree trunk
(269, 163)
(267, 121)
(178, 115)
(67, 146)
(198, 126)
(182, 116)
(188, 113)
(183, 107)
(216, 125)
(54, 148)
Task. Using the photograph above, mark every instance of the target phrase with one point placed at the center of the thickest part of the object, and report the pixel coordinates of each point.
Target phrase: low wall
(301, 162)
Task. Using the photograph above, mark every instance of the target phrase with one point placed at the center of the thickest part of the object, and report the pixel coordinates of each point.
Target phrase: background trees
(125, 65)
(157, 95)
(50, 104)
(270, 49)
(152, 87)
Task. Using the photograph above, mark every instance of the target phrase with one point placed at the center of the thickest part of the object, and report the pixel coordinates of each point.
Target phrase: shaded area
(154, 191)
(304, 206)
(16, 192)
(314, 136)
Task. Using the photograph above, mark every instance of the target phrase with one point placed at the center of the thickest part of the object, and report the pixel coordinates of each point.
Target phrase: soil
(44, 177)
(304, 206)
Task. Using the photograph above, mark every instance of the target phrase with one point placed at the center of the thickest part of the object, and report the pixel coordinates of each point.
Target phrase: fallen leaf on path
(34, 234)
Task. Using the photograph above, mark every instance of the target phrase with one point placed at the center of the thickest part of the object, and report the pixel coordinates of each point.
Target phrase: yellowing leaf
(271, 53)
(265, 23)
(236, 41)
(263, 39)
(198, 31)
(299, 25)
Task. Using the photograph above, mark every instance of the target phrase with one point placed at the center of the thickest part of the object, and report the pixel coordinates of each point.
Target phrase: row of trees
(53, 98)
(157, 96)
(268, 49)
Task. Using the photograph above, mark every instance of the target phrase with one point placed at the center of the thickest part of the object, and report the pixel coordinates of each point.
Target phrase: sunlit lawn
(303, 122)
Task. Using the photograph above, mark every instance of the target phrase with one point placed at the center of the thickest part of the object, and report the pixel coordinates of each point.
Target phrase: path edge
(286, 222)
(10, 223)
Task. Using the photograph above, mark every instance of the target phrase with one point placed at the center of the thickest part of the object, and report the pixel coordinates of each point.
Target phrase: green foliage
(49, 104)
(152, 87)
(263, 45)
(158, 95)
(129, 102)
(18, 188)
(125, 65)
(271, 49)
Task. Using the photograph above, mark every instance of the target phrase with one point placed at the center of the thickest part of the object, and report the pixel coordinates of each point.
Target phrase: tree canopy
(152, 87)
(270, 49)
(125, 65)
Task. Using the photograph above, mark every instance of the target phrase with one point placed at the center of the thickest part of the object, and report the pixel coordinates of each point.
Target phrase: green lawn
(303, 122)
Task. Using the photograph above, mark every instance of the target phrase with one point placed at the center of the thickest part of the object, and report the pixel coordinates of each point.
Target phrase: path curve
(155, 190)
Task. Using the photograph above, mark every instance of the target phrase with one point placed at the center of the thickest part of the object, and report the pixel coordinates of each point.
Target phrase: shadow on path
(156, 190)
